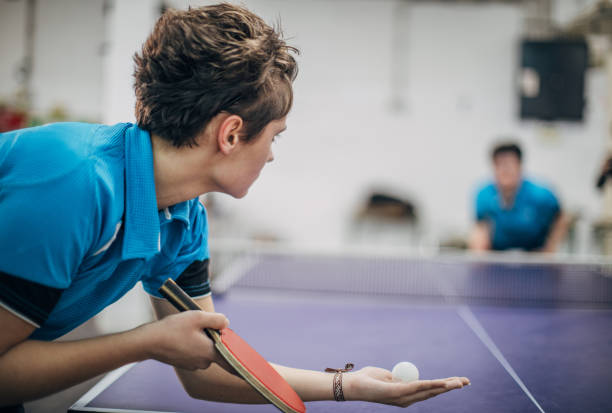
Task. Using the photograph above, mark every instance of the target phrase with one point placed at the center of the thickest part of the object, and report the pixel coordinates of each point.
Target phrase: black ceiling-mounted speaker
(552, 79)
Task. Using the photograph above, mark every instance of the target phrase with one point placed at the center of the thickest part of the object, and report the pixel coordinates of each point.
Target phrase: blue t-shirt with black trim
(78, 213)
(526, 223)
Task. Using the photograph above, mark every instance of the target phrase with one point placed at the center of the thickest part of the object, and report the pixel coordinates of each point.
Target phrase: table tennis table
(531, 336)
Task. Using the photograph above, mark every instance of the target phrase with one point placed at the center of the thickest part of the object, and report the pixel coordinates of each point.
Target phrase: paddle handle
(177, 297)
(182, 302)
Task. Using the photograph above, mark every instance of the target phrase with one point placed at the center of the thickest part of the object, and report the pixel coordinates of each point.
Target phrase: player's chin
(239, 189)
(243, 191)
(240, 193)
(235, 193)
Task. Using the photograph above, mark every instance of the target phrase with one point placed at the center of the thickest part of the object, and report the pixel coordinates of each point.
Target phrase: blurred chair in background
(605, 174)
(603, 227)
(515, 213)
(386, 220)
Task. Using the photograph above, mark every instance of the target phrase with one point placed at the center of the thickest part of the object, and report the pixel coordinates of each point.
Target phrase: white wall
(12, 46)
(68, 57)
(127, 27)
(68, 48)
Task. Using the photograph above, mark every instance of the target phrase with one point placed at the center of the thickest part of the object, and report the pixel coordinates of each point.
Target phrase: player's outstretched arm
(31, 369)
(371, 384)
(374, 384)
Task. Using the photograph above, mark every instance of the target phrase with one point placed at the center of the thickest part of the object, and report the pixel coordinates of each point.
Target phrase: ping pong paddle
(249, 364)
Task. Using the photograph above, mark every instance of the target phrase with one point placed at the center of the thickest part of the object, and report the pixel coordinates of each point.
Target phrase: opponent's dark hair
(507, 147)
(200, 62)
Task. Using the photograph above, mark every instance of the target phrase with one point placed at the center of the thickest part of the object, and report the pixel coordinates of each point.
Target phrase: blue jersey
(79, 218)
(526, 223)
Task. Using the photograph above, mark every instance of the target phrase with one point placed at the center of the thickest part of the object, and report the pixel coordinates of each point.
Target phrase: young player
(87, 211)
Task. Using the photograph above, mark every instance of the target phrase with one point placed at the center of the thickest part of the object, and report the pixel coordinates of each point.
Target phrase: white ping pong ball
(405, 371)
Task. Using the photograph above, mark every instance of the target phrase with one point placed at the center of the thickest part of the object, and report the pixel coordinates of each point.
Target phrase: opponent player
(514, 212)
(87, 211)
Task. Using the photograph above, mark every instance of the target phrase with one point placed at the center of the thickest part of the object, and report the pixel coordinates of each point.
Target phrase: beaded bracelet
(337, 384)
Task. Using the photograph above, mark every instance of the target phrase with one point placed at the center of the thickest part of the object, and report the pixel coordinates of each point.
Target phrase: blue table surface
(563, 356)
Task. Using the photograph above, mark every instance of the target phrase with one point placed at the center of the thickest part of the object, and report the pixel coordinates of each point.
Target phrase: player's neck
(180, 173)
(508, 195)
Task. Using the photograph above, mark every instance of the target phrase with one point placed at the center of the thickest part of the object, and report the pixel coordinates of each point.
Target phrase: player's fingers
(454, 384)
(421, 385)
(452, 378)
(217, 321)
(423, 395)
(415, 387)
(400, 390)
(451, 384)
(463, 380)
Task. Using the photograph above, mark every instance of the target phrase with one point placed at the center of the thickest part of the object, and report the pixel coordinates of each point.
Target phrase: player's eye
(276, 138)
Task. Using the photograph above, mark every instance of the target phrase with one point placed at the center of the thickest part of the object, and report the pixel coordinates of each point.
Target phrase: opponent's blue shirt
(78, 214)
(526, 223)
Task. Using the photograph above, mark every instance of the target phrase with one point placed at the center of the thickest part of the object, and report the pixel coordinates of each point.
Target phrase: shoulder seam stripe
(109, 243)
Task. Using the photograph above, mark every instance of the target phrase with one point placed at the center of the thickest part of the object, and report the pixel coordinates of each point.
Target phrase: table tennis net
(447, 280)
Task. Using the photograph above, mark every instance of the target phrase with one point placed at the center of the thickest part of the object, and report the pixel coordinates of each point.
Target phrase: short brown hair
(199, 62)
(507, 147)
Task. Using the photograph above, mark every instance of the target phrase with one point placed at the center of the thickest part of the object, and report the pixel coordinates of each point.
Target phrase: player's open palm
(180, 340)
(377, 385)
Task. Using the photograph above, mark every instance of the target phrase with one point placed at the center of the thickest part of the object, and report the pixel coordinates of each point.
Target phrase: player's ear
(228, 134)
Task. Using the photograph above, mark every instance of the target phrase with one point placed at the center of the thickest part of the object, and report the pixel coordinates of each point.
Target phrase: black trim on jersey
(194, 280)
(31, 300)
(12, 409)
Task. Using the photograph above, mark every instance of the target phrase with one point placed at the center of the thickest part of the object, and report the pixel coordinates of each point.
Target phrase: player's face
(507, 168)
(252, 157)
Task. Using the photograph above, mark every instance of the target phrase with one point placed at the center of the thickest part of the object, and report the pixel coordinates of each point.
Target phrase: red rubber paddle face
(262, 370)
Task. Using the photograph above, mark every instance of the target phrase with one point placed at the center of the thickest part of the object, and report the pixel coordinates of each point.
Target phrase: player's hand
(374, 384)
(180, 340)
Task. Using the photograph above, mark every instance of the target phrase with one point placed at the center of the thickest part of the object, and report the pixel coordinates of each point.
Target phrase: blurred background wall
(64, 57)
(406, 97)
